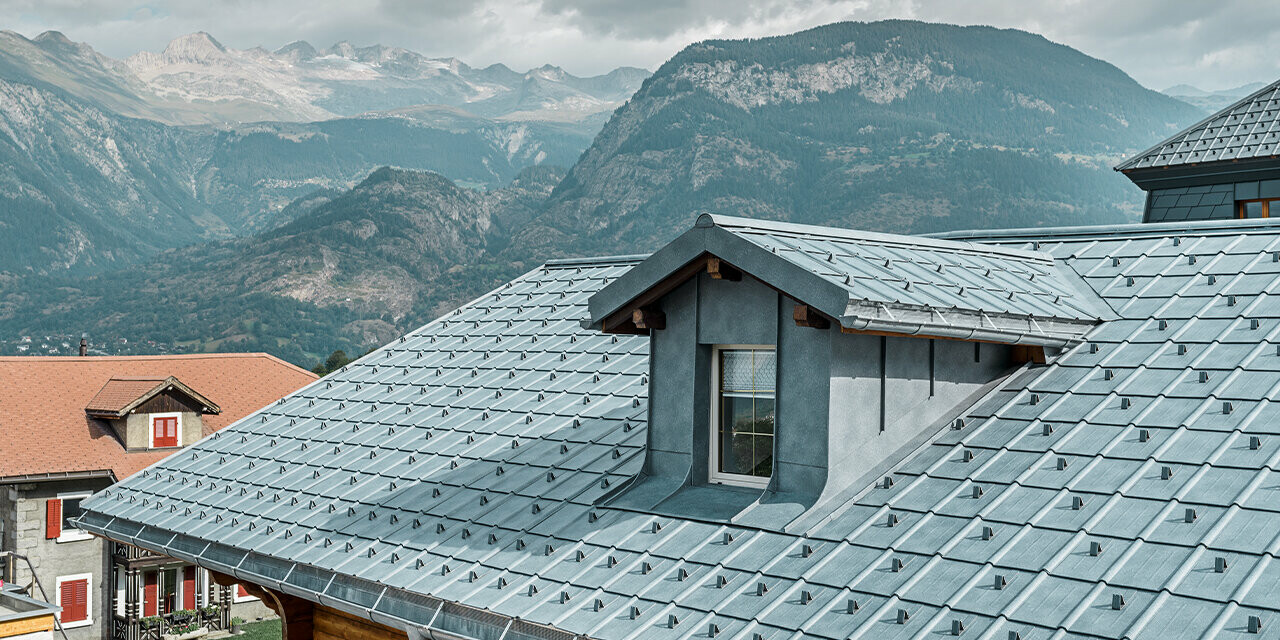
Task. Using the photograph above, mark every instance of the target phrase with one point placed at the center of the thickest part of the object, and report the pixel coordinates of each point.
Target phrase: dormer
(1225, 166)
(151, 413)
(791, 364)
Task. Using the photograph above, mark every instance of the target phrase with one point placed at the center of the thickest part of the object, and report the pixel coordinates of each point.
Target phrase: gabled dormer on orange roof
(152, 413)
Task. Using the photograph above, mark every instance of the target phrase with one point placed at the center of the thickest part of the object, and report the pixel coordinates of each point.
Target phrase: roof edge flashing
(929, 241)
(427, 628)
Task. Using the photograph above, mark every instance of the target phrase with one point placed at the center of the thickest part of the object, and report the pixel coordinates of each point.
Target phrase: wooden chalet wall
(330, 624)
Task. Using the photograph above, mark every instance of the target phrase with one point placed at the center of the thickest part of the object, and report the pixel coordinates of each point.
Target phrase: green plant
(186, 627)
(237, 620)
(149, 621)
(210, 610)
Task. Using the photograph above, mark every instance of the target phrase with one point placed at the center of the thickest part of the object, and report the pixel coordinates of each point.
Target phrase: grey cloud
(1159, 42)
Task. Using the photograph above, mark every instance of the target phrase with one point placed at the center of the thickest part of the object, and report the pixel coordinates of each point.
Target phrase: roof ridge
(158, 357)
(239, 354)
(1128, 164)
(1161, 229)
(871, 237)
(595, 260)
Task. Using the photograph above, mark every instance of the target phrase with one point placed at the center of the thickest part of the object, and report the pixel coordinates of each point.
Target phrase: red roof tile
(120, 395)
(44, 427)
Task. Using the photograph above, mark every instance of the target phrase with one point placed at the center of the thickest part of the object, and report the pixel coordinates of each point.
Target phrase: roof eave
(706, 239)
(163, 541)
(171, 382)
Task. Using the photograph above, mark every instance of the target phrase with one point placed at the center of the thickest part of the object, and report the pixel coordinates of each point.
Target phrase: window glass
(70, 509)
(1251, 209)
(746, 402)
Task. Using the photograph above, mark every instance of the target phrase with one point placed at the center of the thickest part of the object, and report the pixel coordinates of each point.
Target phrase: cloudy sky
(1211, 44)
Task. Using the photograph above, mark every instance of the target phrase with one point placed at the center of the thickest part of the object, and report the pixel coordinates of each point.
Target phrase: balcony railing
(128, 553)
(212, 618)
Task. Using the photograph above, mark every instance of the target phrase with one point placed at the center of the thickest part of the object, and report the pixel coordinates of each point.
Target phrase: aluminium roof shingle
(876, 282)
(1249, 128)
(470, 462)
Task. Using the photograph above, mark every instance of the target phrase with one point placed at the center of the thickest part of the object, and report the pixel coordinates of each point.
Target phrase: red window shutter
(74, 595)
(150, 593)
(165, 432)
(53, 518)
(188, 587)
(241, 593)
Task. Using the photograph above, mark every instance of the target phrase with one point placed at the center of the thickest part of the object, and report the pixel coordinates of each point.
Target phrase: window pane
(1253, 209)
(745, 432)
(70, 509)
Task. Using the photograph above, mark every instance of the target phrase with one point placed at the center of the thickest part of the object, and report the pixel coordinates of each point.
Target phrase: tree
(336, 360)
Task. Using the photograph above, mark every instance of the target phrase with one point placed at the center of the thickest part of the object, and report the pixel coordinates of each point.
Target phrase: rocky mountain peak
(297, 51)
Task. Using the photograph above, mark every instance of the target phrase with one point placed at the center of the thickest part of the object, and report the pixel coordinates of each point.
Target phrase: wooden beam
(296, 614)
(621, 320)
(721, 270)
(807, 316)
(649, 318)
(1028, 353)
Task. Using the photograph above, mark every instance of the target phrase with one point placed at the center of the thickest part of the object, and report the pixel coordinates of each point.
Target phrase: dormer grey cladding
(848, 402)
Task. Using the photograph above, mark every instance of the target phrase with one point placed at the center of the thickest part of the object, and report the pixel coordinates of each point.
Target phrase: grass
(265, 630)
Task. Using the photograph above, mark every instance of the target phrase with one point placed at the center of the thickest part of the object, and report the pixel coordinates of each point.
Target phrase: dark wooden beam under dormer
(649, 318)
(807, 316)
(721, 270)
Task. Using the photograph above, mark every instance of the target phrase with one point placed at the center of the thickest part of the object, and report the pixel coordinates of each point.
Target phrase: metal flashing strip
(1115, 231)
(929, 242)
(390, 607)
(595, 261)
(59, 475)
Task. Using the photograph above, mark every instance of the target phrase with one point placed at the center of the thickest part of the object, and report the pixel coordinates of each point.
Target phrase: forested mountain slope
(902, 126)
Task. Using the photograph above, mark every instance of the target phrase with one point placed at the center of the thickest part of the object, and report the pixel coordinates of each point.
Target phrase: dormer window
(742, 415)
(151, 413)
(165, 429)
(1256, 208)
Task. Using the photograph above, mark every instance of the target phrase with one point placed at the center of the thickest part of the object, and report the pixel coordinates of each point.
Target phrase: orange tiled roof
(44, 427)
(120, 395)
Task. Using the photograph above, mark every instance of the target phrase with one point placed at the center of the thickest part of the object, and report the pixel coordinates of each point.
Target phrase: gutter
(419, 615)
(59, 475)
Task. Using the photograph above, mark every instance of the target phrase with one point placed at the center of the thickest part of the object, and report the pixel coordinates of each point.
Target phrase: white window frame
(715, 476)
(88, 599)
(151, 428)
(237, 599)
(70, 534)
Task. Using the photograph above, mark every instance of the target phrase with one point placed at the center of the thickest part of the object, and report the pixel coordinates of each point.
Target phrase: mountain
(896, 125)
(86, 189)
(104, 162)
(352, 269)
(198, 80)
(1211, 101)
(298, 83)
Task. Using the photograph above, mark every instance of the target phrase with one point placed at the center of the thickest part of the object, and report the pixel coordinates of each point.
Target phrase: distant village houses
(74, 425)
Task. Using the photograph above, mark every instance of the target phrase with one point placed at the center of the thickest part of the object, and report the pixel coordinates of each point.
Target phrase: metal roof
(1125, 490)
(1250, 128)
(882, 282)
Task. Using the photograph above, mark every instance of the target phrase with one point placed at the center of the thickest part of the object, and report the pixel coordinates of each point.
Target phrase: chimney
(84, 346)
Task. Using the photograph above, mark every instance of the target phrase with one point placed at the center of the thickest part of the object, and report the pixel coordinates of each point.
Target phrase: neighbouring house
(71, 426)
(767, 431)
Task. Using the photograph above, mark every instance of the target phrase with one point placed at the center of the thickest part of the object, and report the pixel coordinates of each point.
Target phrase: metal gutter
(392, 607)
(59, 475)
